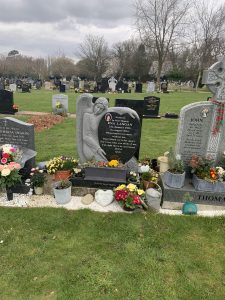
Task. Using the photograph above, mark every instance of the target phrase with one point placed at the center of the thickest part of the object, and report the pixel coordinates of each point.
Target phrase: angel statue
(88, 117)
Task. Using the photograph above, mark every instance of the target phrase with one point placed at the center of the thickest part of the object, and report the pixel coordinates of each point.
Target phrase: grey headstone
(16, 132)
(199, 132)
(62, 99)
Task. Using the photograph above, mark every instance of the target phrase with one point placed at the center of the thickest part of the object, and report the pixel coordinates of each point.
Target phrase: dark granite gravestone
(151, 107)
(104, 85)
(138, 88)
(6, 102)
(125, 87)
(119, 86)
(138, 106)
(62, 88)
(15, 132)
(119, 136)
(26, 88)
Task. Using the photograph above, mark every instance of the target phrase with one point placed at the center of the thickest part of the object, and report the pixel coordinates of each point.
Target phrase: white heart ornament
(143, 169)
(104, 197)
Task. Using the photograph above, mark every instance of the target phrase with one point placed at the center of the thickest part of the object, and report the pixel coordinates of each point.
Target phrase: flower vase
(62, 175)
(9, 194)
(38, 190)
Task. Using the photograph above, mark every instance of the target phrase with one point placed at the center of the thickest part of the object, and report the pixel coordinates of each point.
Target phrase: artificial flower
(5, 172)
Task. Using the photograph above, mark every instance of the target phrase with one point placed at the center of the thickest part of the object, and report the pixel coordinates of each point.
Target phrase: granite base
(173, 198)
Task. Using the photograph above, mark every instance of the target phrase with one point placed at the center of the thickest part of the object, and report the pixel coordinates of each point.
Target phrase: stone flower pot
(62, 196)
(203, 185)
(174, 180)
(39, 190)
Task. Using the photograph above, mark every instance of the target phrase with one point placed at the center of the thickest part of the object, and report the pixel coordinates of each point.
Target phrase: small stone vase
(38, 190)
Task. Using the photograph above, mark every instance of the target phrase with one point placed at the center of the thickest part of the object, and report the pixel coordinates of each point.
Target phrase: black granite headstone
(138, 106)
(15, 132)
(119, 136)
(151, 107)
(119, 86)
(6, 102)
(62, 88)
(25, 88)
(138, 88)
(104, 85)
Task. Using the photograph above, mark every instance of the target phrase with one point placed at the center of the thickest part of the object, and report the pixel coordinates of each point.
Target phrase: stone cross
(214, 78)
(201, 129)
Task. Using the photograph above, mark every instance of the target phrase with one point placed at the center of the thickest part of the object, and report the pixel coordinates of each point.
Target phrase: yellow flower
(132, 187)
(5, 172)
(120, 187)
(140, 192)
(113, 163)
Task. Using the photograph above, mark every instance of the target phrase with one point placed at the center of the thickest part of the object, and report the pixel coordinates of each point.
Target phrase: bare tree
(94, 51)
(159, 23)
(209, 34)
(123, 53)
(62, 66)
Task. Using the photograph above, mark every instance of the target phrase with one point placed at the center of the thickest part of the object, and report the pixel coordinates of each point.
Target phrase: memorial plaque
(15, 132)
(151, 107)
(6, 102)
(119, 136)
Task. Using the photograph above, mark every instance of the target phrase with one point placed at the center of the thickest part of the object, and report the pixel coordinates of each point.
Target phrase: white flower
(33, 169)
(1, 242)
(178, 157)
(220, 171)
(5, 172)
(41, 171)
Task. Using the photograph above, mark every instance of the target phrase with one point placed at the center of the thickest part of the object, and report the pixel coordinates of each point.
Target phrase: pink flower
(13, 165)
(13, 150)
(1, 167)
(4, 160)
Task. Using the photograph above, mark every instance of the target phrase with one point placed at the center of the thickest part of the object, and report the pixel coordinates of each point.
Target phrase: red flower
(121, 195)
(136, 200)
(4, 160)
(5, 155)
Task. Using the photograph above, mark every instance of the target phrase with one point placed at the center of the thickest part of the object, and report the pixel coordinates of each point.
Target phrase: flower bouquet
(9, 153)
(130, 197)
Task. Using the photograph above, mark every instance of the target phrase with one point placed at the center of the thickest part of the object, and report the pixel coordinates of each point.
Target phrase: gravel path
(21, 200)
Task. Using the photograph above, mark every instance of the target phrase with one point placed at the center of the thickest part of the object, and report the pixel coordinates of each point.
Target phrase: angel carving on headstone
(88, 116)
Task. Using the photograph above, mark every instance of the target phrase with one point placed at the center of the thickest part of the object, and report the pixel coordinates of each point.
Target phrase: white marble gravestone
(198, 131)
(151, 87)
(63, 99)
(112, 83)
(12, 87)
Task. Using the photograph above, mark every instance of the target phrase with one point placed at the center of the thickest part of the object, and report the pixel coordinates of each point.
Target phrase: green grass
(41, 100)
(157, 135)
(59, 254)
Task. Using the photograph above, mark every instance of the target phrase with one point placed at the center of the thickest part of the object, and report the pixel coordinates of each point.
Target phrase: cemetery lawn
(58, 254)
(157, 135)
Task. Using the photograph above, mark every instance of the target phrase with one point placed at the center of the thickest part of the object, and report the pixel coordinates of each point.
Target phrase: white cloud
(41, 28)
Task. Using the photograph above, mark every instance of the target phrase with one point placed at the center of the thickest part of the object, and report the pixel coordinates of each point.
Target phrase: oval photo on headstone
(119, 136)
